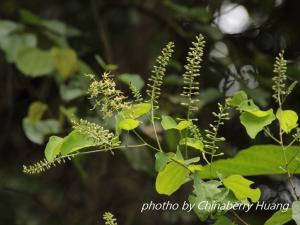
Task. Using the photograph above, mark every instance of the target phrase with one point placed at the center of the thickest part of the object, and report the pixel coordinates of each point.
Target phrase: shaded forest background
(125, 36)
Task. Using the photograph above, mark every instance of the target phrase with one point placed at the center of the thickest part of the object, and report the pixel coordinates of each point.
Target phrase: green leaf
(223, 220)
(287, 119)
(69, 113)
(192, 160)
(238, 98)
(75, 88)
(252, 118)
(280, 218)
(139, 158)
(206, 191)
(179, 155)
(171, 178)
(183, 125)
(136, 110)
(240, 186)
(36, 111)
(55, 26)
(53, 148)
(37, 131)
(248, 106)
(66, 61)
(14, 43)
(195, 168)
(133, 79)
(253, 161)
(7, 27)
(128, 124)
(296, 212)
(168, 123)
(161, 160)
(255, 121)
(30, 18)
(74, 142)
(192, 142)
(35, 62)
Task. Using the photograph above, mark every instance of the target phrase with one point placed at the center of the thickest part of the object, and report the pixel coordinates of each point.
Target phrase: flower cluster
(136, 94)
(279, 79)
(158, 73)
(97, 133)
(44, 165)
(109, 219)
(192, 71)
(212, 138)
(106, 96)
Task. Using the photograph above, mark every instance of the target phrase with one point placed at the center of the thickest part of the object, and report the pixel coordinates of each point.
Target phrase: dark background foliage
(130, 34)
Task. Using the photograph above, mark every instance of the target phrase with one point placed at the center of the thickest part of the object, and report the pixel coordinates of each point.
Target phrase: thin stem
(271, 136)
(180, 163)
(215, 136)
(239, 218)
(103, 150)
(154, 128)
(284, 152)
(143, 140)
(291, 143)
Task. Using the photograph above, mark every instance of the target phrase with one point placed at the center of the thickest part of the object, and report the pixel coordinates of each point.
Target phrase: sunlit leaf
(161, 160)
(287, 119)
(255, 121)
(280, 218)
(136, 110)
(53, 148)
(191, 160)
(171, 178)
(74, 142)
(238, 98)
(192, 142)
(168, 123)
(183, 125)
(194, 168)
(240, 186)
(253, 161)
(128, 124)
